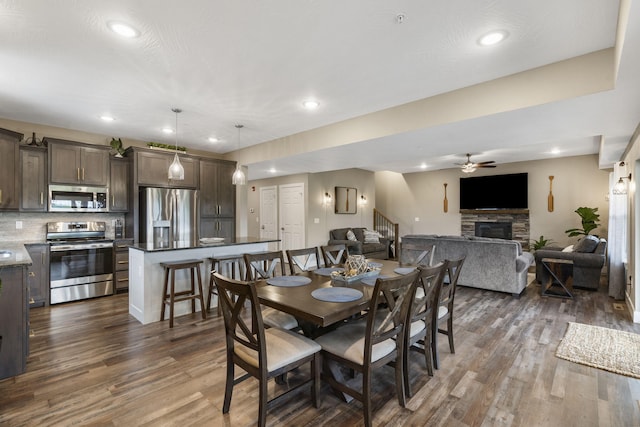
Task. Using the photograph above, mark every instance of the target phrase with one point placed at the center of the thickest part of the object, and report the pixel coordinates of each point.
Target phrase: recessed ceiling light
(494, 37)
(423, 166)
(107, 118)
(555, 151)
(123, 29)
(213, 139)
(310, 104)
(167, 130)
(272, 170)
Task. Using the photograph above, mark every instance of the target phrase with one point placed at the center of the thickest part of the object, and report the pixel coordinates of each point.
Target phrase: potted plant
(589, 217)
(541, 243)
(116, 145)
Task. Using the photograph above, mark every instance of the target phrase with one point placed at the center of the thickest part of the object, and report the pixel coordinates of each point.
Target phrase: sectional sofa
(494, 264)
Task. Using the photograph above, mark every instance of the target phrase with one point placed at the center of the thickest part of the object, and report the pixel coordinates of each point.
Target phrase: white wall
(577, 182)
(316, 186)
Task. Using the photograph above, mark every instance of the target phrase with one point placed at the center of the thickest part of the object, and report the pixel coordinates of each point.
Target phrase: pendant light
(238, 177)
(176, 170)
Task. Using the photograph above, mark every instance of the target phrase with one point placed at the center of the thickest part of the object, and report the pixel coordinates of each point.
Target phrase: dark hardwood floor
(93, 364)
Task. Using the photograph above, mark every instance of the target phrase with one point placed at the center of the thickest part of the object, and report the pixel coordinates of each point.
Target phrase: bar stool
(227, 266)
(172, 297)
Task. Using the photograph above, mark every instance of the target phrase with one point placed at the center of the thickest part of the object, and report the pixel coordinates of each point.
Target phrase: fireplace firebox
(498, 230)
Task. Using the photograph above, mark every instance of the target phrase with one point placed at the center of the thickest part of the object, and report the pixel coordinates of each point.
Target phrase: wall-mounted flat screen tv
(495, 192)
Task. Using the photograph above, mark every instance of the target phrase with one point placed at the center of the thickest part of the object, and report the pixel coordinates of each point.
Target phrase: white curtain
(617, 241)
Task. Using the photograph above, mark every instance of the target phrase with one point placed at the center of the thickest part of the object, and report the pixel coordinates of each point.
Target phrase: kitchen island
(146, 275)
(14, 309)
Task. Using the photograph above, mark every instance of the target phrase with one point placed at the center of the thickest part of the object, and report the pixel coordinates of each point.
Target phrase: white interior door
(269, 215)
(292, 231)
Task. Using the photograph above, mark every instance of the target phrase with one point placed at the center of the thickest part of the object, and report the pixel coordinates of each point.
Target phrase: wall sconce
(327, 199)
(363, 200)
(621, 186)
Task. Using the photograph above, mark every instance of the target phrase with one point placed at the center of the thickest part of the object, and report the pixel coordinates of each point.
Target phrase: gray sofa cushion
(587, 244)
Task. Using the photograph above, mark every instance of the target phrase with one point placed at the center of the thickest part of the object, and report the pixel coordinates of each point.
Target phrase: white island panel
(146, 277)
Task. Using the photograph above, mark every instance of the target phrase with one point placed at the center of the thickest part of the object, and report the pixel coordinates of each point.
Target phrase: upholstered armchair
(588, 257)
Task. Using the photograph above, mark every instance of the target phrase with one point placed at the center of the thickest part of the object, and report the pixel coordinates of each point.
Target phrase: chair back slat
(386, 321)
(263, 265)
(416, 254)
(450, 281)
(303, 259)
(234, 295)
(335, 254)
(430, 282)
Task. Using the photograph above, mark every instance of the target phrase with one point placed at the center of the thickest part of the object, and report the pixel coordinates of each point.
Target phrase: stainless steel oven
(81, 261)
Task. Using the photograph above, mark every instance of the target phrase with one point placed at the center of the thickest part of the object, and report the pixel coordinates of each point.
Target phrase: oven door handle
(60, 248)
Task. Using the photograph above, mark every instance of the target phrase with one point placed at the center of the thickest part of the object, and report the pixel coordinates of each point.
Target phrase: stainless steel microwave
(72, 198)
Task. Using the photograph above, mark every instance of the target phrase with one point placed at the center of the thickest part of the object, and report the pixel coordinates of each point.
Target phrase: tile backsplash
(34, 224)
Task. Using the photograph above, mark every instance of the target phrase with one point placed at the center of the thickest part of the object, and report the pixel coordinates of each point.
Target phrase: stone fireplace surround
(519, 219)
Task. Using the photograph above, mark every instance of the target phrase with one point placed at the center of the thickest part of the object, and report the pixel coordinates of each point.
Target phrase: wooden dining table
(315, 316)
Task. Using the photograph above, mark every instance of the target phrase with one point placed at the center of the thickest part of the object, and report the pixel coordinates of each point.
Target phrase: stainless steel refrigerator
(168, 215)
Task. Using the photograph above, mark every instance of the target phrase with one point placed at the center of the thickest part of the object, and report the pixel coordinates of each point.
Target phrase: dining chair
(444, 313)
(416, 254)
(261, 353)
(335, 254)
(301, 260)
(420, 318)
(377, 340)
(265, 265)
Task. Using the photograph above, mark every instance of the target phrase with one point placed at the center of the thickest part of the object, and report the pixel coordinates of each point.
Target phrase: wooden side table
(560, 284)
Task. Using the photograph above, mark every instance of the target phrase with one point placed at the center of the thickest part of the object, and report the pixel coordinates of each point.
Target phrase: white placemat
(404, 270)
(336, 294)
(326, 271)
(288, 281)
(375, 264)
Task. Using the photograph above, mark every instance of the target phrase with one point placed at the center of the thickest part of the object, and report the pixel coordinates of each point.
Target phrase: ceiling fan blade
(480, 165)
(486, 163)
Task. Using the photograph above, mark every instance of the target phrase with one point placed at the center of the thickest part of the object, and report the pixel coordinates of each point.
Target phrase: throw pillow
(587, 244)
(568, 249)
(351, 236)
(371, 236)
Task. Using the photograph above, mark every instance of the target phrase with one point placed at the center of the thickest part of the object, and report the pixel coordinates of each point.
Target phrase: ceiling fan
(469, 166)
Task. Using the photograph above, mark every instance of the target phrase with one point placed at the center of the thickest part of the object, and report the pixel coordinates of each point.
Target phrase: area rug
(603, 348)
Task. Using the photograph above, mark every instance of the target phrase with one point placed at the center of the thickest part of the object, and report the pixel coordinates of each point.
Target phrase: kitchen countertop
(19, 255)
(149, 247)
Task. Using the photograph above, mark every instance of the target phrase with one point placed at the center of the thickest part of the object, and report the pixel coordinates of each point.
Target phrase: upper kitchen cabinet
(119, 187)
(33, 173)
(9, 158)
(217, 193)
(152, 167)
(77, 163)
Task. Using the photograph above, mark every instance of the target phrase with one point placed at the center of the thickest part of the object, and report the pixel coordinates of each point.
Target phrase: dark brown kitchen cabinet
(152, 168)
(217, 193)
(14, 322)
(38, 275)
(217, 199)
(9, 158)
(76, 163)
(218, 227)
(119, 187)
(33, 174)
(121, 264)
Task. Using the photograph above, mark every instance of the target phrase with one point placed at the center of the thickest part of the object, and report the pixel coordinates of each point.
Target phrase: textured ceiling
(228, 62)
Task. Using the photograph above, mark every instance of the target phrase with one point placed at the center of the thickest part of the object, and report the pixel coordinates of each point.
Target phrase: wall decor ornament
(550, 198)
(346, 200)
(446, 202)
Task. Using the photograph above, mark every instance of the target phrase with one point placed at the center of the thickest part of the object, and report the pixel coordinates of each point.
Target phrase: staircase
(387, 229)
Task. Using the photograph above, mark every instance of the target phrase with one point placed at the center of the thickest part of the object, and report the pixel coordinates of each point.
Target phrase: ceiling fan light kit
(470, 167)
